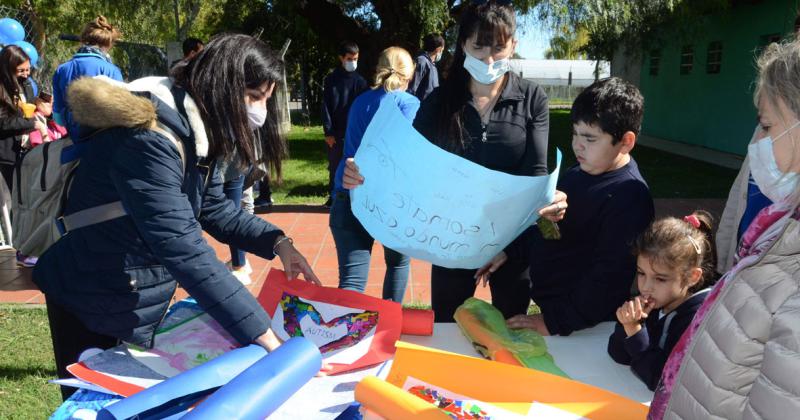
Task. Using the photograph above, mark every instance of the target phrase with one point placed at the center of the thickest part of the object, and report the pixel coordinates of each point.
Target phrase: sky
(533, 39)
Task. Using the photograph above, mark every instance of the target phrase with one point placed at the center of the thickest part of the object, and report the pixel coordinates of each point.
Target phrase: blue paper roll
(262, 388)
(180, 392)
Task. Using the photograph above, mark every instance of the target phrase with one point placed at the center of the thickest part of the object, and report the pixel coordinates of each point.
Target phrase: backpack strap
(114, 210)
(90, 216)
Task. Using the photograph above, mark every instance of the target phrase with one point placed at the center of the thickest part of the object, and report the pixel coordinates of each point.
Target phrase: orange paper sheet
(512, 388)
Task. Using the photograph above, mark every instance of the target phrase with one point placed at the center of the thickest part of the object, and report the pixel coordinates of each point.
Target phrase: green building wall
(713, 110)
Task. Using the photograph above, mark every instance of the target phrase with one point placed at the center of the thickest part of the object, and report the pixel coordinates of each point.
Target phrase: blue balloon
(11, 30)
(30, 50)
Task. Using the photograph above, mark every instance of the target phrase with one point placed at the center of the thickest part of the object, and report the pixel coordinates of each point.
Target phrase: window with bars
(714, 58)
(687, 59)
(655, 61)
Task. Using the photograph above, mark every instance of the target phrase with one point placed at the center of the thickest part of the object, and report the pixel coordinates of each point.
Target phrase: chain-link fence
(32, 34)
(562, 95)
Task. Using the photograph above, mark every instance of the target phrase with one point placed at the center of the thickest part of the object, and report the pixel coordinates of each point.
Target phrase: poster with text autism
(433, 205)
(352, 330)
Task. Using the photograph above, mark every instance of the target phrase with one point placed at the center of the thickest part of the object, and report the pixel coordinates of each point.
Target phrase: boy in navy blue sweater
(341, 87)
(581, 279)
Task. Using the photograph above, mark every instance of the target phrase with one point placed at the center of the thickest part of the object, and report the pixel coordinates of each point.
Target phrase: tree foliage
(569, 44)
(611, 24)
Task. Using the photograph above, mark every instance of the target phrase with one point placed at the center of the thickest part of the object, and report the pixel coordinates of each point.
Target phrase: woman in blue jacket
(112, 281)
(92, 59)
(353, 242)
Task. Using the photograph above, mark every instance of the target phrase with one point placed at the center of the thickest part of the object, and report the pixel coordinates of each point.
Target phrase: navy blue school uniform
(647, 351)
(341, 88)
(581, 279)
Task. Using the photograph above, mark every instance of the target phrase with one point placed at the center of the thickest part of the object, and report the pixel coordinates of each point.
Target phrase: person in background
(353, 243)
(15, 125)
(341, 87)
(745, 201)
(191, 47)
(92, 59)
(426, 75)
(44, 113)
(674, 268)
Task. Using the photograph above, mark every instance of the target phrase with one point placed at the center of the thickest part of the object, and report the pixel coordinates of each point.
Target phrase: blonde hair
(100, 32)
(779, 79)
(395, 69)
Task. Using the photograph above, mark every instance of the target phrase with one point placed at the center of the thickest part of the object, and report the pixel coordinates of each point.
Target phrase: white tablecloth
(581, 355)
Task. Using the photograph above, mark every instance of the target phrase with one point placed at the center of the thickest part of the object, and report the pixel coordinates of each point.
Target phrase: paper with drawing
(342, 334)
(433, 205)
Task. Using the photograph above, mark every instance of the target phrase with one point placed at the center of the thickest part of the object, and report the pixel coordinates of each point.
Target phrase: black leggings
(8, 174)
(70, 339)
(510, 287)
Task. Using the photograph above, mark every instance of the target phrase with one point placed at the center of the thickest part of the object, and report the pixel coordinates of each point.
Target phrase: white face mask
(256, 116)
(350, 65)
(773, 183)
(484, 73)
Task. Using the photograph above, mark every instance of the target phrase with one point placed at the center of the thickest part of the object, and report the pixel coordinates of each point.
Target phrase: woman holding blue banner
(353, 243)
(490, 116)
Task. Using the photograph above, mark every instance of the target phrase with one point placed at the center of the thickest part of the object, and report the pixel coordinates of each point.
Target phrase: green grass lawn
(305, 173)
(26, 364)
(670, 176)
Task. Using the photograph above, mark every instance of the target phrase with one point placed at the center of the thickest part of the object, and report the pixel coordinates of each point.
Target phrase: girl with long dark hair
(15, 66)
(151, 157)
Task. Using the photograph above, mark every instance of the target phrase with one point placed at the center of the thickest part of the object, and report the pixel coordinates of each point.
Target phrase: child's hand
(632, 313)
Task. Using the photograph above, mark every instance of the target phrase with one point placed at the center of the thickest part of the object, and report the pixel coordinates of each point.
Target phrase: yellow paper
(512, 388)
(391, 402)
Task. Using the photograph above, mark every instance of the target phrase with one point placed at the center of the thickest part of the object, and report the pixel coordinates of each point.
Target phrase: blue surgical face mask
(773, 183)
(484, 73)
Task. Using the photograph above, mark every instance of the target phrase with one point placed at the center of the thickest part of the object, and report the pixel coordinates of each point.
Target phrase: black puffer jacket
(13, 125)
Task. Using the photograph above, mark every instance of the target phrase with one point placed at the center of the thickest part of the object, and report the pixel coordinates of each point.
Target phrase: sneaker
(246, 268)
(263, 202)
(26, 261)
(243, 277)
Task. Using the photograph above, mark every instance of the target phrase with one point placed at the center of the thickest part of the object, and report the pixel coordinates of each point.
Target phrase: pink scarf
(759, 236)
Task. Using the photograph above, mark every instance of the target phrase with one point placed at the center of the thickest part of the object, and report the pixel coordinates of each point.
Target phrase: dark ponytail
(706, 227)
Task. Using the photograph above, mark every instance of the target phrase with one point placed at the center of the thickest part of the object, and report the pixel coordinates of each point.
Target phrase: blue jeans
(354, 250)
(233, 191)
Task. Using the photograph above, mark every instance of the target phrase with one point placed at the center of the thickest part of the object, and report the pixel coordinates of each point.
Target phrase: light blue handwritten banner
(435, 206)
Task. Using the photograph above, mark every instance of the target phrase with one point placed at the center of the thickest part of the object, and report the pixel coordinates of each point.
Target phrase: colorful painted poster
(527, 393)
(485, 327)
(127, 369)
(352, 330)
(342, 334)
(457, 407)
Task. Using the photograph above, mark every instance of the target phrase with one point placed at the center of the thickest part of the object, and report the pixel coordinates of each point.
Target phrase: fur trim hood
(101, 102)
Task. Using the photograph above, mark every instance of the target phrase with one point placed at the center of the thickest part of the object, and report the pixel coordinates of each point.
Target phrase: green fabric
(527, 346)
